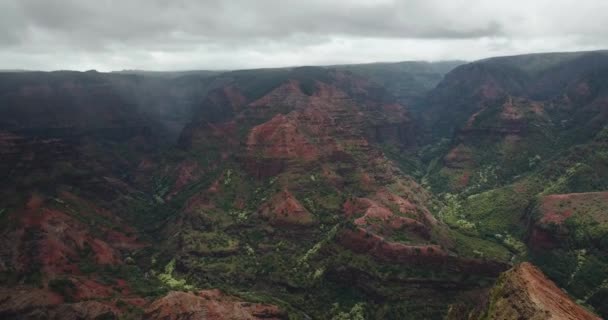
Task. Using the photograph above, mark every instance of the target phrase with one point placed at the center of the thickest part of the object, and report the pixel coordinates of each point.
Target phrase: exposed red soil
(404, 206)
(428, 256)
(209, 304)
(463, 180)
(557, 208)
(363, 241)
(288, 94)
(186, 172)
(87, 310)
(514, 110)
(322, 124)
(367, 181)
(459, 157)
(307, 127)
(526, 293)
(55, 239)
(379, 218)
(14, 299)
(90, 289)
(510, 111)
(331, 176)
(216, 186)
(280, 138)
(136, 302)
(415, 193)
(284, 209)
(549, 230)
(53, 236)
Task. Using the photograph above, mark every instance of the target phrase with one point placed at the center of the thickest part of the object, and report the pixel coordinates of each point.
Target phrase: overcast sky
(230, 34)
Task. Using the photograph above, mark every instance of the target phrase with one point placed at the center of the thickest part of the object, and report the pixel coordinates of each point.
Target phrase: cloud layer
(215, 34)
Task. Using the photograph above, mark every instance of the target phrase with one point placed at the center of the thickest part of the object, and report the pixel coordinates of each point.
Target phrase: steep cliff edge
(524, 292)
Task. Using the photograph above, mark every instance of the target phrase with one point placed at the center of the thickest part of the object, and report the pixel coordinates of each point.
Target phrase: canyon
(308, 192)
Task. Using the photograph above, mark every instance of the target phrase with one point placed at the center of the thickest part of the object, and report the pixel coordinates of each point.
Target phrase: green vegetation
(170, 281)
(471, 246)
(357, 312)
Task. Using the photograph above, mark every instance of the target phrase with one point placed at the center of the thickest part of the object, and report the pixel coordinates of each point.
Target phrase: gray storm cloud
(188, 34)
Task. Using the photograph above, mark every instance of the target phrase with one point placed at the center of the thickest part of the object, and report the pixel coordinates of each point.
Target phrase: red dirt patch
(555, 209)
(284, 209)
(463, 181)
(89, 289)
(363, 241)
(280, 138)
(52, 234)
(380, 219)
(288, 94)
(526, 293)
(459, 157)
(209, 304)
(187, 172)
(549, 230)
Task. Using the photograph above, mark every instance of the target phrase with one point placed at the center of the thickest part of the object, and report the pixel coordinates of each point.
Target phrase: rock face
(524, 292)
(283, 209)
(376, 216)
(208, 304)
(280, 138)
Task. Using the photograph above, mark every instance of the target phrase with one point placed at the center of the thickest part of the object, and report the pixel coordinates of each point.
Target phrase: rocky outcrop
(283, 209)
(524, 292)
(372, 216)
(208, 304)
(280, 138)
